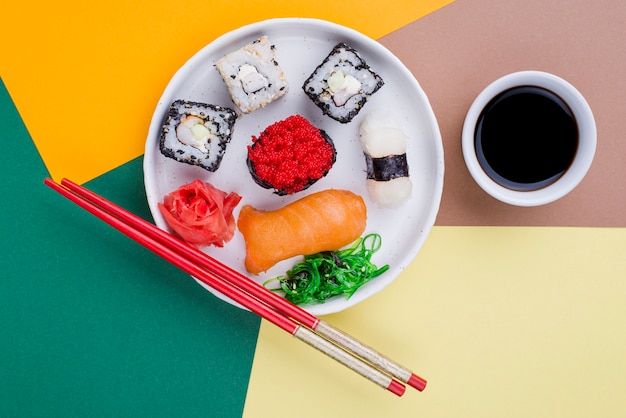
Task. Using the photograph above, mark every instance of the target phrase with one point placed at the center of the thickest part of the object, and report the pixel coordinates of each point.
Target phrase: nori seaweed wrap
(197, 133)
(341, 85)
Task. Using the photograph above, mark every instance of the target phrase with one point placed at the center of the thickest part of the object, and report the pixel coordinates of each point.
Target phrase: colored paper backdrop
(504, 318)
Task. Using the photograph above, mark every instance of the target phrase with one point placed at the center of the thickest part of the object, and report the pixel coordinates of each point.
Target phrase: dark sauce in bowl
(526, 138)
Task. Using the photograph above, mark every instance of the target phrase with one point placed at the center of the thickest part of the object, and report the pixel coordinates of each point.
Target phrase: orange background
(86, 76)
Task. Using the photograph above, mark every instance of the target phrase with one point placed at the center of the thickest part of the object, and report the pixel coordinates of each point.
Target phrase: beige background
(458, 50)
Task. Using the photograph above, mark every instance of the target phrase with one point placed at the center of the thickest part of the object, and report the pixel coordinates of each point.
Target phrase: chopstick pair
(308, 328)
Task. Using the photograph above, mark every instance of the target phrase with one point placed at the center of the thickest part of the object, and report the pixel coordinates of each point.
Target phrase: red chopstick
(228, 289)
(277, 302)
(230, 283)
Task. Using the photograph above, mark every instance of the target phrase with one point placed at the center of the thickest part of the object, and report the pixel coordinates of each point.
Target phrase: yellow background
(502, 322)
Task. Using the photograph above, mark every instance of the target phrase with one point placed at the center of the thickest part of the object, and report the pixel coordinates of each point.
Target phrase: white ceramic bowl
(301, 44)
(586, 141)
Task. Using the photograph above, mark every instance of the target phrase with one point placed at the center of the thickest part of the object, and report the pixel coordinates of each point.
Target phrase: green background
(91, 323)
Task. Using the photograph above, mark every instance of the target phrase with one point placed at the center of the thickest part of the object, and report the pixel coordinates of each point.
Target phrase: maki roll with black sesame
(252, 75)
(342, 84)
(291, 155)
(197, 133)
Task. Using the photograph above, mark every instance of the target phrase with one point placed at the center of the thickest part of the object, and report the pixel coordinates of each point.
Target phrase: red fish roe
(290, 155)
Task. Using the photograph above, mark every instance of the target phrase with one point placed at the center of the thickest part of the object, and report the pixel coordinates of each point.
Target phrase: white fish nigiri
(384, 144)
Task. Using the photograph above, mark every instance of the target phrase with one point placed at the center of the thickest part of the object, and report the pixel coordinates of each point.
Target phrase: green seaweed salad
(326, 274)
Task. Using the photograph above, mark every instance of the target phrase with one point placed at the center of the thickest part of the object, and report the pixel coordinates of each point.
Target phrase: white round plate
(301, 45)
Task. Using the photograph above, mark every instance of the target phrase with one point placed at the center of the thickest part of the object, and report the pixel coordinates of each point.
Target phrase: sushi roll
(342, 83)
(384, 146)
(197, 133)
(290, 155)
(252, 75)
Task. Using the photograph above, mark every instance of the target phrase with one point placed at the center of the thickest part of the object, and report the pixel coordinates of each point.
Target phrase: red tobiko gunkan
(201, 214)
(290, 155)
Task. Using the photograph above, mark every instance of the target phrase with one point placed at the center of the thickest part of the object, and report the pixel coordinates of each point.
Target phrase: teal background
(91, 323)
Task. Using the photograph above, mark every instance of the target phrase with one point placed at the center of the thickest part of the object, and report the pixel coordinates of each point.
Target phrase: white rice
(261, 55)
(219, 119)
(347, 60)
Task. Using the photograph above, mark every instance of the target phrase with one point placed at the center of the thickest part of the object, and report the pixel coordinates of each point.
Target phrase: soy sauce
(526, 138)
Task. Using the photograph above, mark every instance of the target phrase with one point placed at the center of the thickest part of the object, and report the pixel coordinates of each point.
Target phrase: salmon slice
(322, 221)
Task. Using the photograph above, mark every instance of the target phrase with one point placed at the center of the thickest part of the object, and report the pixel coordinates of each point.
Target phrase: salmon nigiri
(322, 221)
